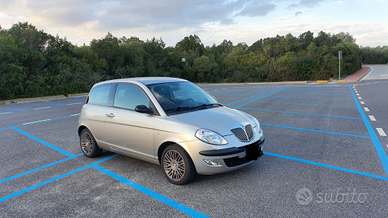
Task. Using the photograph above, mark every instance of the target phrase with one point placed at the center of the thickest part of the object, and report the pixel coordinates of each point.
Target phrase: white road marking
(359, 98)
(6, 113)
(381, 132)
(39, 108)
(358, 94)
(38, 121)
(73, 115)
(362, 102)
(372, 118)
(76, 103)
(366, 109)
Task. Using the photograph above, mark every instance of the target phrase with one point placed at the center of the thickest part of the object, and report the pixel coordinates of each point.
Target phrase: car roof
(144, 80)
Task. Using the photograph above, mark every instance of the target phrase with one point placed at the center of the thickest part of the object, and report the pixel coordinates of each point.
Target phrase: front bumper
(223, 160)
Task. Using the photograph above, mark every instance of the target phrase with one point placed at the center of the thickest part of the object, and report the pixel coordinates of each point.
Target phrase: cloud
(123, 14)
(306, 3)
(151, 14)
(298, 13)
(257, 8)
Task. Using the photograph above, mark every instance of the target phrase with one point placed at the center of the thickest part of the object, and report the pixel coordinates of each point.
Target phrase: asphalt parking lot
(323, 158)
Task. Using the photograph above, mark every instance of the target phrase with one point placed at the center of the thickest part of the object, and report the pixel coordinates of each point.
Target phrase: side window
(129, 96)
(100, 94)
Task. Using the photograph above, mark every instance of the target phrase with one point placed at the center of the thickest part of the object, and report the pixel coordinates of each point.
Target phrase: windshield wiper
(206, 106)
(177, 109)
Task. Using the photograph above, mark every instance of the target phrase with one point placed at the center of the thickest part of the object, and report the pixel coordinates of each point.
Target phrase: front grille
(245, 134)
(240, 134)
(248, 129)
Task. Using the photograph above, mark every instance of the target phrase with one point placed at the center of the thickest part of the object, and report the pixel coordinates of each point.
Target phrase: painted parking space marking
(40, 108)
(44, 142)
(366, 109)
(379, 148)
(53, 179)
(290, 93)
(42, 121)
(314, 130)
(262, 97)
(372, 118)
(76, 103)
(287, 112)
(150, 193)
(328, 166)
(320, 99)
(314, 105)
(253, 96)
(362, 102)
(39, 168)
(359, 98)
(381, 132)
(38, 121)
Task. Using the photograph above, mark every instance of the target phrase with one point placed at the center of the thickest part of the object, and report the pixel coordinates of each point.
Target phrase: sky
(81, 21)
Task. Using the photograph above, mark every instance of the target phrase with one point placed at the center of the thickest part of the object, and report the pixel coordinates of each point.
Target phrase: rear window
(100, 94)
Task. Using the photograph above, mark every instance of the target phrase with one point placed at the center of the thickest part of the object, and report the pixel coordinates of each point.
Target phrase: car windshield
(182, 97)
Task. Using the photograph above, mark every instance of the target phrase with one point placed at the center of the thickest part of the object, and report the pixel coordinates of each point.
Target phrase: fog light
(211, 162)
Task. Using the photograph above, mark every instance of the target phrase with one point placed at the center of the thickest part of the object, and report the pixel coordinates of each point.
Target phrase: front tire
(88, 144)
(177, 165)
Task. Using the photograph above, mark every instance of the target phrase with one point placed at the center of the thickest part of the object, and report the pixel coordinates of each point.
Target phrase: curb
(364, 74)
(40, 98)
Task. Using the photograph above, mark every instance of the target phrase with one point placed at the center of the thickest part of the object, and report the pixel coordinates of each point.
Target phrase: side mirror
(143, 109)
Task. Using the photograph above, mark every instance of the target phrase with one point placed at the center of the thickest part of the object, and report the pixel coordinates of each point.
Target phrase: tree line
(34, 63)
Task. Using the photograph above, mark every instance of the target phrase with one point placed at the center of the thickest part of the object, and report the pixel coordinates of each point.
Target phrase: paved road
(324, 157)
(377, 72)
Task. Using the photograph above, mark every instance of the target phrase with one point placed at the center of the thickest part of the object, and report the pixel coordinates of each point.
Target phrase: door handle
(111, 115)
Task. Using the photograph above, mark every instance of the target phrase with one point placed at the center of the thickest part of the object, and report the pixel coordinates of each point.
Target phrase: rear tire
(177, 165)
(88, 144)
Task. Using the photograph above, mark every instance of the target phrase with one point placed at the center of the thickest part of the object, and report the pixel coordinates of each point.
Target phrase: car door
(127, 130)
(93, 112)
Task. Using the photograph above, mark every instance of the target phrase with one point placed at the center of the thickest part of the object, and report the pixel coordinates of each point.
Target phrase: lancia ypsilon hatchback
(171, 122)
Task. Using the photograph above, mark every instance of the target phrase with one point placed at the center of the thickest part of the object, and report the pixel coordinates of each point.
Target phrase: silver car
(171, 122)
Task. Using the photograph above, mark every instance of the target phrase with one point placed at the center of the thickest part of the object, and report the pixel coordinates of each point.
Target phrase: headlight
(210, 137)
(257, 125)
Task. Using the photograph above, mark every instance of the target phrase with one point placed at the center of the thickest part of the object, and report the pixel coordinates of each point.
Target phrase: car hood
(219, 119)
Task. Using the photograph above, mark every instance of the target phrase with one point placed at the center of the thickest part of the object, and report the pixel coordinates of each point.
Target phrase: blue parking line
(323, 99)
(43, 121)
(54, 179)
(321, 91)
(313, 130)
(14, 110)
(376, 142)
(328, 166)
(314, 105)
(320, 115)
(253, 96)
(39, 168)
(293, 93)
(230, 95)
(37, 104)
(44, 142)
(151, 193)
(263, 97)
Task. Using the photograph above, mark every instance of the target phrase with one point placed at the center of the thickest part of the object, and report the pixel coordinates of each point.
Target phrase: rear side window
(129, 96)
(100, 94)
